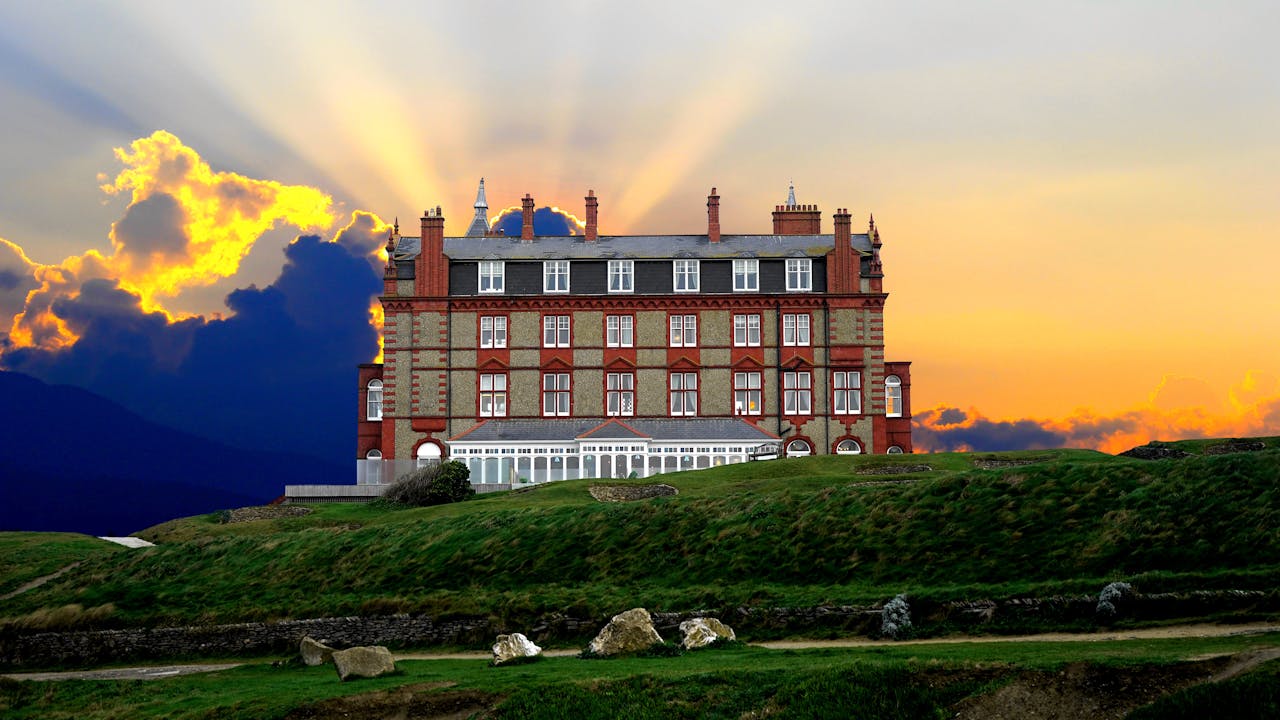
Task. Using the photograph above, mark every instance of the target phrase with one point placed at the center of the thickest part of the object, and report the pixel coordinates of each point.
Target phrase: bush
(432, 485)
(895, 618)
(1111, 600)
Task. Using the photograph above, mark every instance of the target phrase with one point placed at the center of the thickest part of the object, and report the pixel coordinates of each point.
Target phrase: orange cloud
(1179, 408)
(186, 225)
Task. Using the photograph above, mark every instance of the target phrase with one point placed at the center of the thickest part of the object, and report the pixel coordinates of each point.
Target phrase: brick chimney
(592, 204)
(526, 227)
(431, 268)
(844, 265)
(793, 219)
(713, 216)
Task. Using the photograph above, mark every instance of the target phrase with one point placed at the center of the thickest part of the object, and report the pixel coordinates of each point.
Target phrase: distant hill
(71, 460)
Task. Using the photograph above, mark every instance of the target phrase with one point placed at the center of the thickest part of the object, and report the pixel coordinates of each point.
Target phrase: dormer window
(491, 276)
(686, 275)
(799, 275)
(621, 276)
(746, 275)
(555, 276)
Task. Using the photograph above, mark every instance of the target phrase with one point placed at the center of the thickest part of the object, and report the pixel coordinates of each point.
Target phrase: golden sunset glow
(216, 219)
(1075, 207)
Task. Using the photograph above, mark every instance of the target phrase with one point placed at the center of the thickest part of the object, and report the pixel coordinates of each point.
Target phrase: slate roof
(575, 247)
(659, 430)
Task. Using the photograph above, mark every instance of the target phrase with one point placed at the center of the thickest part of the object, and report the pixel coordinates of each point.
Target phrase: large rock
(701, 632)
(314, 652)
(363, 662)
(515, 645)
(628, 632)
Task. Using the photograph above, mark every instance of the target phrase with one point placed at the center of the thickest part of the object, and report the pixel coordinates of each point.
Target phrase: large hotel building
(537, 358)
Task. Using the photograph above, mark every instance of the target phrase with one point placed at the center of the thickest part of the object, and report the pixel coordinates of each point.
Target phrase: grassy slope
(25, 556)
(791, 532)
(914, 681)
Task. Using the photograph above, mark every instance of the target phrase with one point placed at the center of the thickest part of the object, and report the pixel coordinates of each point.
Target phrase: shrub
(895, 618)
(1112, 600)
(432, 485)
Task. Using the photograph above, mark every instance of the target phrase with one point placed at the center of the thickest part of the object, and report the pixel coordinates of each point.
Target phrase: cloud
(546, 221)
(17, 278)
(277, 371)
(1179, 408)
(186, 226)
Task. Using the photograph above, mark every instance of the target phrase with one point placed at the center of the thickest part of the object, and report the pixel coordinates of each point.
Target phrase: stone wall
(400, 631)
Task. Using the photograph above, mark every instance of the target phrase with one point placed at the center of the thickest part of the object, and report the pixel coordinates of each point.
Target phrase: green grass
(789, 532)
(1255, 695)
(25, 556)
(912, 681)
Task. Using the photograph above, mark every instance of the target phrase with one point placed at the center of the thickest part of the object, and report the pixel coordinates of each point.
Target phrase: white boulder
(701, 632)
(515, 645)
(628, 632)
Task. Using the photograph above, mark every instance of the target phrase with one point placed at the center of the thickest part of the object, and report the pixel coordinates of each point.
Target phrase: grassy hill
(791, 532)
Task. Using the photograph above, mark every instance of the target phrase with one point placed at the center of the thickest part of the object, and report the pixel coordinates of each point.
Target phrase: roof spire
(791, 194)
(480, 223)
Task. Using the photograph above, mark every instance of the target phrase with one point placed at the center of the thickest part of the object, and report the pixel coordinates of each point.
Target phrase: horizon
(1078, 233)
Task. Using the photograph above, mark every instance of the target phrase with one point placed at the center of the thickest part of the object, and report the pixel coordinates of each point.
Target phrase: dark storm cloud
(17, 278)
(545, 222)
(279, 373)
(152, 226)
(946, 429)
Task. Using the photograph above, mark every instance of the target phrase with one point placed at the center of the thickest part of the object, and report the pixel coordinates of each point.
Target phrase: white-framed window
(373, 403)
(893, 396)
(555, 331)
(799, 274)
(555, 394)
(799, 448)
(620, 394)
(555, 276)
(493, 395)
(684, 393)
(894, 450)
(373, 455)
(746, 331)
(493, 331)
(684, 331)
(797, 393)
(846, 392)
(848, 447)
(795, 330)
(746, 275)
(491, 276)
(619, 331)
(746, 393)
(621, 276)
(686, 275)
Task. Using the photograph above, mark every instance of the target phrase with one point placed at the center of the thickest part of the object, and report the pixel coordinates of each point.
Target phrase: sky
(1078, 201)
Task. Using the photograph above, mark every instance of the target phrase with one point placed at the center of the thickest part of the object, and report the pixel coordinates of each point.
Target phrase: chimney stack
(713, 216)
(431, 268)
(526, 228)
(592, 204)
(843, 267)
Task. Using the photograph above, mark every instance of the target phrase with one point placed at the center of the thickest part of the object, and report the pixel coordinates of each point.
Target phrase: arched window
(374, 403)
(893, 396)
(849, 447)
(371, 472)
(428, 454)
(894, 450)
(799, 448)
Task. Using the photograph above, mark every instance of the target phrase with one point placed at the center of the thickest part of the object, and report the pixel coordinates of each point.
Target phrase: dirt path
(32, 585)
(1172, 631)
(1244, 663)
